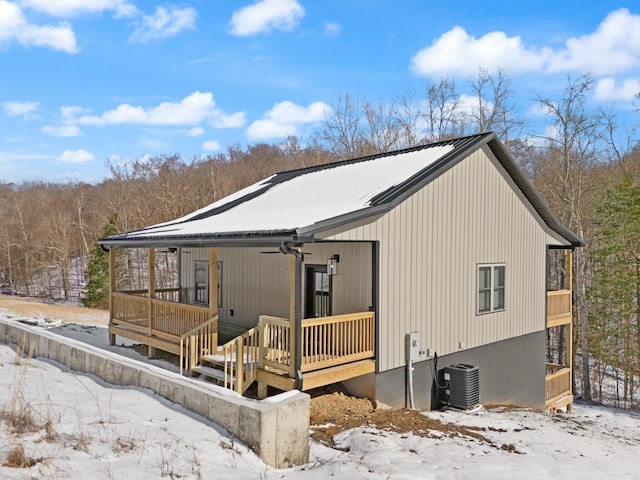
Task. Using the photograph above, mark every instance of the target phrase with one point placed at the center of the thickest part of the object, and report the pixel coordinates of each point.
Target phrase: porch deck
(334, 348)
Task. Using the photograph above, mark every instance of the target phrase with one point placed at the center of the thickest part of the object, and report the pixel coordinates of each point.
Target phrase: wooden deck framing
(558, 380)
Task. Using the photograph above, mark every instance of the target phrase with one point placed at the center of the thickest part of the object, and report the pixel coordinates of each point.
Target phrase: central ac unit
(463, 388)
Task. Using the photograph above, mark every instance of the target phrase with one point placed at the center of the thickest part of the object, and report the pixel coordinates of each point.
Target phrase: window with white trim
(491, 288)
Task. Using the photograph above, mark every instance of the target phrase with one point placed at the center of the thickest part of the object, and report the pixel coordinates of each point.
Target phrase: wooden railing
(131, 310)
(331, 341)
(241, 361)
(167, 294)
(198, 341)
(326, 341)
(176, 318)
(557, 382)
(558, 307)
(156, 317)
(275, 343)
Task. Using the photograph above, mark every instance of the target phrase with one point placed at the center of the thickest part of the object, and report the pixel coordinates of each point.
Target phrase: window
(491, 287)
(202, 282)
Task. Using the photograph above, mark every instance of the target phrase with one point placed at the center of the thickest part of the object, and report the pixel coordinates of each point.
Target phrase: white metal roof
(294, 205)
(302, 200)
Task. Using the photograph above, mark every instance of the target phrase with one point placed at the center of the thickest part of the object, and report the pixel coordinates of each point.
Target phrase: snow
(305, 199)
(100, 431)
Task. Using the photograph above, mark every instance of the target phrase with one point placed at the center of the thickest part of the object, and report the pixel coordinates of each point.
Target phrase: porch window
(202, 282)
(491, 288)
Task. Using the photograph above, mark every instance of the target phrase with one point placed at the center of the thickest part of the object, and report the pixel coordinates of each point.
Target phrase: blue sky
(83, 81)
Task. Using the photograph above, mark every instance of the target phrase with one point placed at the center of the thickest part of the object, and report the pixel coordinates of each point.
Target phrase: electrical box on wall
(412, 346)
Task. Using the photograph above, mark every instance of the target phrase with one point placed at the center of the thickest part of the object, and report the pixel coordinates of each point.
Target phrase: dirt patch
(333, 411)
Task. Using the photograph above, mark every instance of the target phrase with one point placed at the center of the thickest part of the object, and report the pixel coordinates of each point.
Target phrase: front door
(318, 292)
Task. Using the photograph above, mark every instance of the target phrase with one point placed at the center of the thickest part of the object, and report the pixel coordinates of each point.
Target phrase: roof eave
(531, 193)
(243, 239)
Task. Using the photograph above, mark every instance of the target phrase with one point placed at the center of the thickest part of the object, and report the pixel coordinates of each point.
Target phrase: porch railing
(331, 341)
(275, 343)
(168, 294)
(130, 310)
(198, 341)
(557, 382)
(156, 317)
(176, 318)
(241, 361)
(558, 307)
(326, 341)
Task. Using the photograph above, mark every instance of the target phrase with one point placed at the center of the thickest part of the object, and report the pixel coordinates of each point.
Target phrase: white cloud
(190, 111)
(14, 27)
(607, 89)
(195, 132)
(457, 52)
(613, 48)
(20, 109)
(67, 127)
(265, 15)
(62, 130)
(164, 23)
(332, 29)
(76, 156)
(71, 8)
(235, 120)
(211, 146)
(284, 118)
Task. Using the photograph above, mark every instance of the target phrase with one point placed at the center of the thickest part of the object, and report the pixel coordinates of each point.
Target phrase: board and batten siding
(429, 249)
(255, 283)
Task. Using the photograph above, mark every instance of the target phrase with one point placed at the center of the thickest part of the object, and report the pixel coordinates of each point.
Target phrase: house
(379, 272)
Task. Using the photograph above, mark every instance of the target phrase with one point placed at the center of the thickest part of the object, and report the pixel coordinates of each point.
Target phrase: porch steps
(212, 367)
(212, 373)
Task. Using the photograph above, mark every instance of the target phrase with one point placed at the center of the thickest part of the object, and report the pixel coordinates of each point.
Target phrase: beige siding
(255, 283)
(430, 246)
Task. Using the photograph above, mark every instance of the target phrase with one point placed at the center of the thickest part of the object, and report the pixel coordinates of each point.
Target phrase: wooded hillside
(586, 169)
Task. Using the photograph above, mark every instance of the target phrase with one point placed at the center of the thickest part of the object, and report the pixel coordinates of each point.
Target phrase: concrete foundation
(277, 429)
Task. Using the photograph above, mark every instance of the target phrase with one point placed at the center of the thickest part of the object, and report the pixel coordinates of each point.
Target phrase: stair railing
(241, 361)
(197, 342)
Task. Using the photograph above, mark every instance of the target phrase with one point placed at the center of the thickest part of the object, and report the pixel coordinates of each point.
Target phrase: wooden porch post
(151, 268)
(292, 316)
(112, 288)
(570, 326)
(213, 290)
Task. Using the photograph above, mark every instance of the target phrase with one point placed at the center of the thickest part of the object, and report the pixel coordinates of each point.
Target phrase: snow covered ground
(69, 425)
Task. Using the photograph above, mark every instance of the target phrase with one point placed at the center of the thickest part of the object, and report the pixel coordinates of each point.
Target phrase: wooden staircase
(334, 349)
(223, 366)
(212, 367)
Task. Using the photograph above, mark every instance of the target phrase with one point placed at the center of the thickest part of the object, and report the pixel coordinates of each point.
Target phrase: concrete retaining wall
(277, 429)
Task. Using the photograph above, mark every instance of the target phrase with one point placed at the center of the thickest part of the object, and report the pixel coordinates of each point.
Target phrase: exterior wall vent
(463, 390)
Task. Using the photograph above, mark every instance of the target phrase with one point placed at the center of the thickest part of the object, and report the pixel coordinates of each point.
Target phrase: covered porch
(278, 351)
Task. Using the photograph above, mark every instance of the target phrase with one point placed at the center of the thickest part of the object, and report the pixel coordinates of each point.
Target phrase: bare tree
(342, 130)
(495, 109)
(569, 152)
(442, 110)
